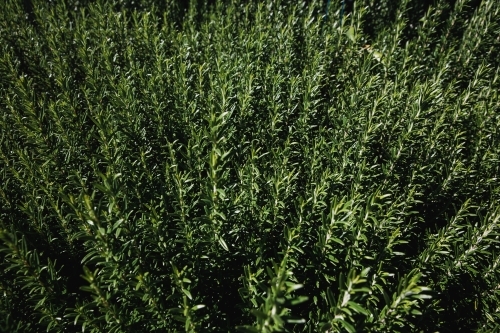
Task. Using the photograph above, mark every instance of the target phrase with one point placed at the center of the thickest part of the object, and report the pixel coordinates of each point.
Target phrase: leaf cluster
(260, 167)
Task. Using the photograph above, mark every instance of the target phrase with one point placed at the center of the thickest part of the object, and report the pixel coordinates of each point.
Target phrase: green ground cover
(256, 167)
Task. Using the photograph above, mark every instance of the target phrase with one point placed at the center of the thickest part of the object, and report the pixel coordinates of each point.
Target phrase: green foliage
(258, 167)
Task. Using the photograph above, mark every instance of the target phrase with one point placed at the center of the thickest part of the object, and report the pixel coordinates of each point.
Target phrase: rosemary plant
(228, 166)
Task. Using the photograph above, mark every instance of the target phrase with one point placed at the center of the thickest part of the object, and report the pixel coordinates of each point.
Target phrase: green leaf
(351, 34)
(330, 297)
(293, 286)
(298, 300)
(223, 243)
(117, 224)
(197, 307)
(187, 293)
(293, 320)
(333, 259)
(337, 240)
(347, 326)
(358, 308)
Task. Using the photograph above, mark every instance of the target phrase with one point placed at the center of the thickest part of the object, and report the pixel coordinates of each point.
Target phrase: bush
(257, 167)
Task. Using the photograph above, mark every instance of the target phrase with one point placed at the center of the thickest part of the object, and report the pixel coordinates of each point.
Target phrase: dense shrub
(262, 167)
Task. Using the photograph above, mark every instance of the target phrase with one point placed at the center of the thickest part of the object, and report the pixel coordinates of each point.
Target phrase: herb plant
(255, 167)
